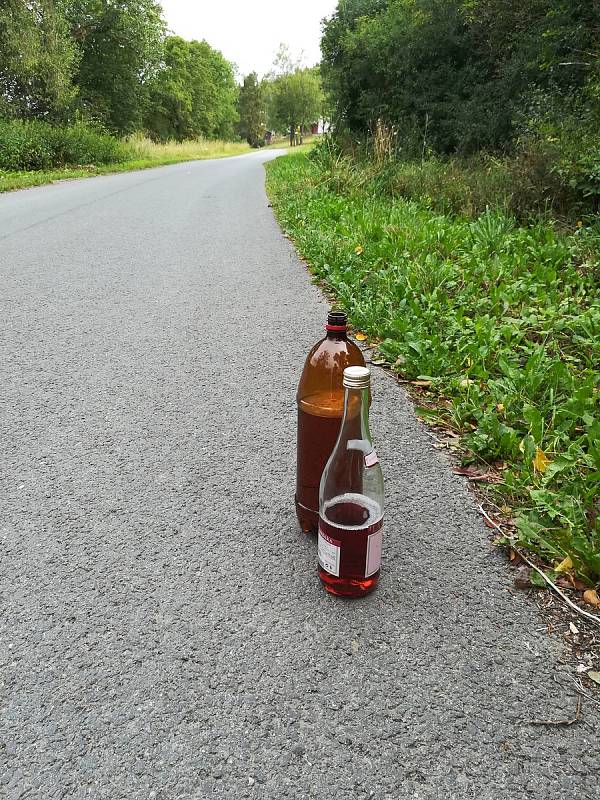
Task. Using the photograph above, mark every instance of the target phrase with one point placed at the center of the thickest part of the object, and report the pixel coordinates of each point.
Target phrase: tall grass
(142, 148)
(543, 176)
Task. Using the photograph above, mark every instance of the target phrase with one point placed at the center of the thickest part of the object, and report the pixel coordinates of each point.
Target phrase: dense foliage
(38, 58)
(120, 46)
(498, 323)
(194, 94)
(464, 128)
(462, 75)
(36, 145)
(111, 62)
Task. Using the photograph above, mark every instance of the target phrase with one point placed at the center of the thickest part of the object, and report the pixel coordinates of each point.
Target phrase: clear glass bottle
(351, 499)
(320, 409)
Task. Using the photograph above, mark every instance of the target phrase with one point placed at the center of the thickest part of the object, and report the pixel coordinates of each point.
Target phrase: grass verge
(143, 154)
(498, 326)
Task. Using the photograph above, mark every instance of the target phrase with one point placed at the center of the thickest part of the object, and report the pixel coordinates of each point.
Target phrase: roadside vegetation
(45, 153)
(496, 324)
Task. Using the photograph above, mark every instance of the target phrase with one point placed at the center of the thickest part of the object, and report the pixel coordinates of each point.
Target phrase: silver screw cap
(357, 377)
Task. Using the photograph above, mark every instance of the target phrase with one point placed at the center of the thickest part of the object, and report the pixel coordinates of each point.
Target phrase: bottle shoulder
(333, 346)
(325, 364)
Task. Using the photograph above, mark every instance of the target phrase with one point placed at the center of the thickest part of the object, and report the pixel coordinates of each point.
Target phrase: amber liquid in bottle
(320, 410)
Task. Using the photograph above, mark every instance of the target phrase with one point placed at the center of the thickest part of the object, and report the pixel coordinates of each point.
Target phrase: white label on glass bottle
(371, 459)
(374, 544)
(329, 553)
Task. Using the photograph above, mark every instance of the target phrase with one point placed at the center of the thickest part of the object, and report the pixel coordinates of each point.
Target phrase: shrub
(38, 145)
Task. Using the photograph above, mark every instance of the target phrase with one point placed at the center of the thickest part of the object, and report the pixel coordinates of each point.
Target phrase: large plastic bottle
(320, 410)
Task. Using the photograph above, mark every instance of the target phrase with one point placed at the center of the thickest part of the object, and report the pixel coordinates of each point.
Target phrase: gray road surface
(164, 635)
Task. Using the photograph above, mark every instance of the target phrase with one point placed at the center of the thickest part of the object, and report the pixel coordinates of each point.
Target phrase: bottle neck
(355, 422)
(337, 332)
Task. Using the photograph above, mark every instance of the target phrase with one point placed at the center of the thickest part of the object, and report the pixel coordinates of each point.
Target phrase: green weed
(504, 319)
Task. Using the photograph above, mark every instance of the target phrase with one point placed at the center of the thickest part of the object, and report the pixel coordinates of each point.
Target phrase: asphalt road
(164, 634)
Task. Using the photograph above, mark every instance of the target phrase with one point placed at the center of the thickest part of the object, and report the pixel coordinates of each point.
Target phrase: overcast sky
(248, 32)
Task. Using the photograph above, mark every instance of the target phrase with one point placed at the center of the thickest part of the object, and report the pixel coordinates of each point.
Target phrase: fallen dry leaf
(360, 336)
(565, 565)
(573, 628)
(564, 583)
(541, 461)
(595, 676)
(590, 596)
(473, 474)
(490, 523)
(581, 586)
(420, 383)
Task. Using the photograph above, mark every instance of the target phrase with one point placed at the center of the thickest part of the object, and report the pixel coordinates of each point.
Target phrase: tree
(37, 60)
(410, 63)
(194, 94)
(169, 113)
(121, 48)
(214, 93)
(252, 109)
(463, 72)
(296, 100)
(284, 63)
